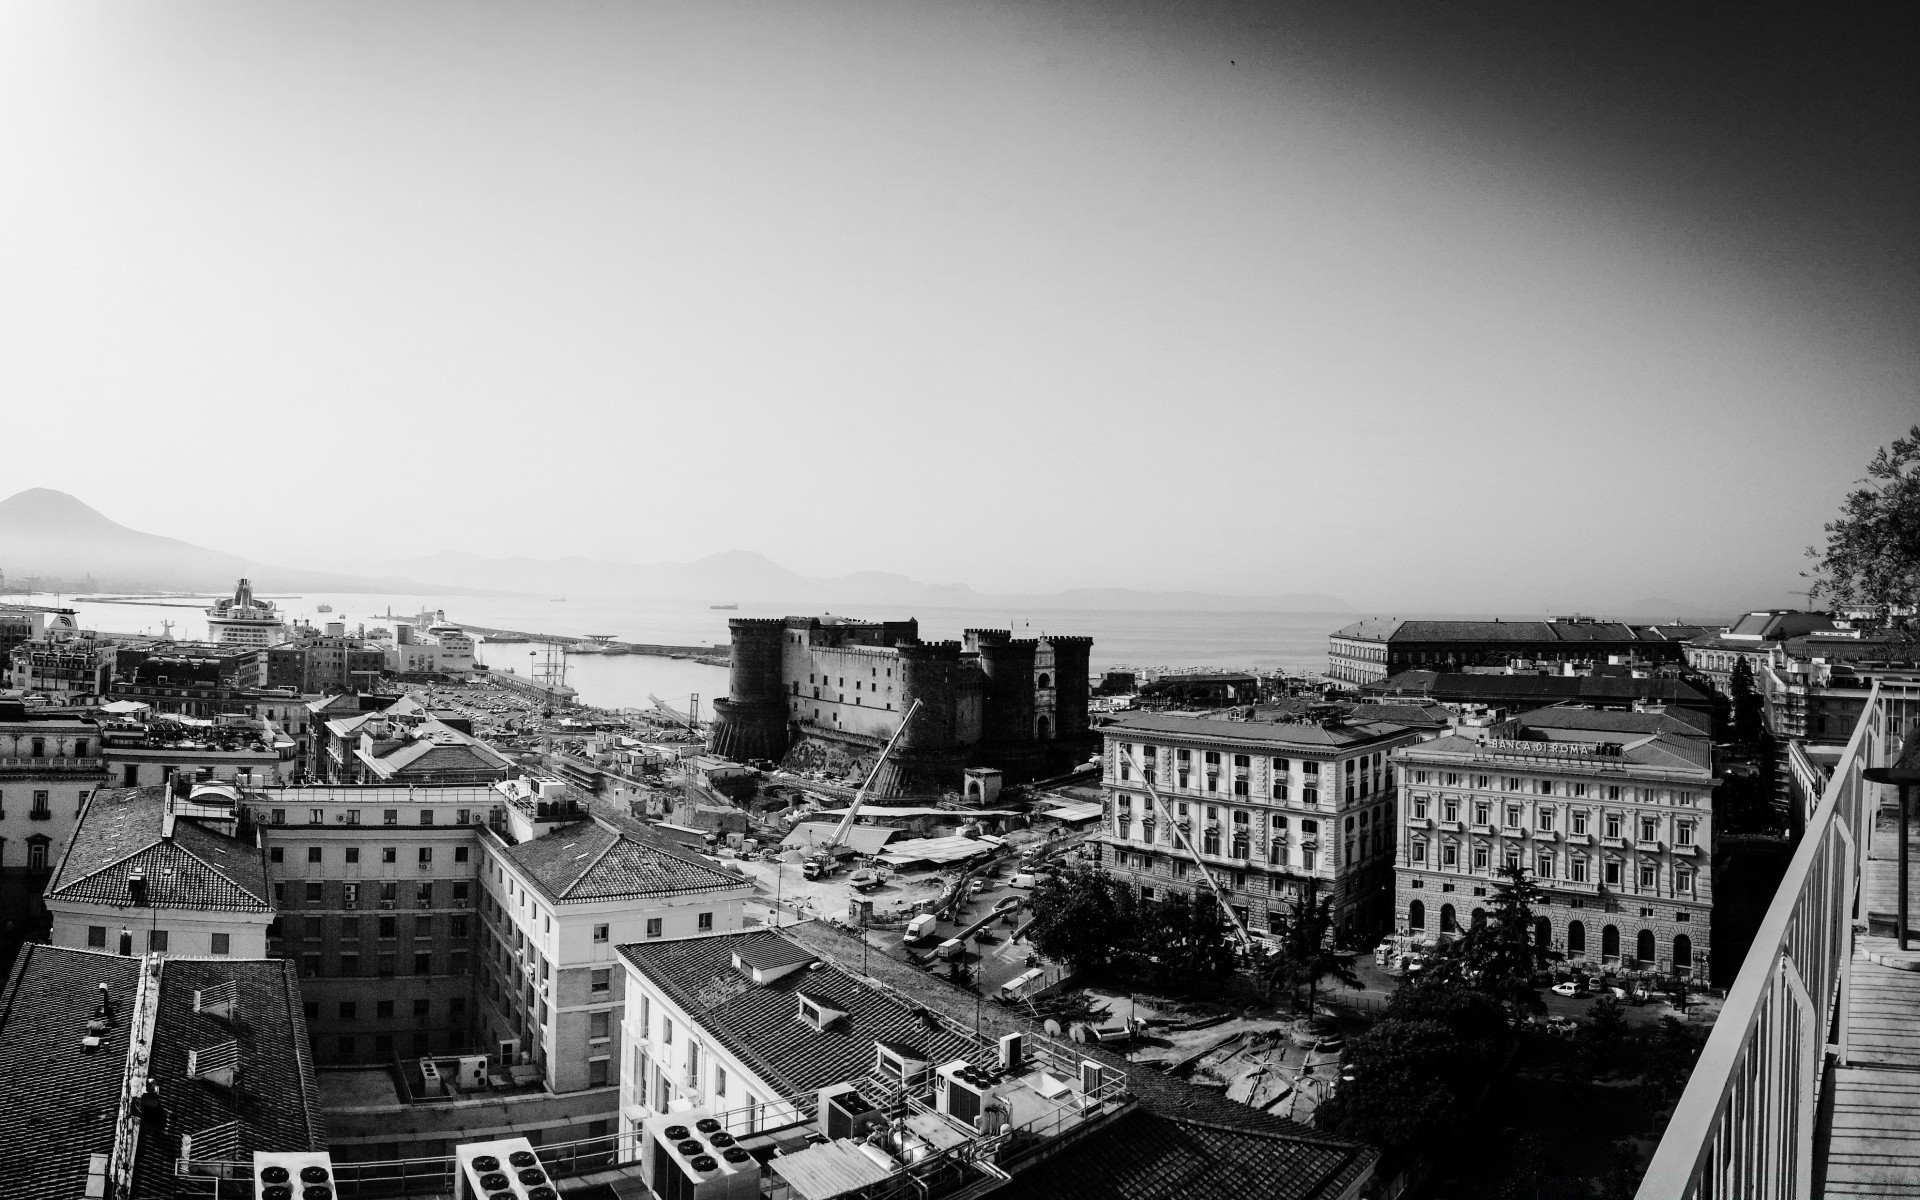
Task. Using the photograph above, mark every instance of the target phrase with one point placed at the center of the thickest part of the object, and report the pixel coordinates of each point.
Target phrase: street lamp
(1903, 774)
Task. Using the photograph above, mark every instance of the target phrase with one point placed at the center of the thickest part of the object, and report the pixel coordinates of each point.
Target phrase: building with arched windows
(1610, 814)
(1272, 802)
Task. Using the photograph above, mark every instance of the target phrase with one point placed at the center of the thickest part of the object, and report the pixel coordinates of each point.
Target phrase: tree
(1078, 918)
(1410, 1081)
(1872, 555)
(1499, 956)
(1601, 1042)
(1306, 952)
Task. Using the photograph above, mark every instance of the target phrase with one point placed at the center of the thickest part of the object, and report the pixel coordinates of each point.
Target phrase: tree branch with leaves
(1872, 554)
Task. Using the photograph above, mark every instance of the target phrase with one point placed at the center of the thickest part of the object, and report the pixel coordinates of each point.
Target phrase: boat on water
(724, 607)
(558, 600)
(324, 608)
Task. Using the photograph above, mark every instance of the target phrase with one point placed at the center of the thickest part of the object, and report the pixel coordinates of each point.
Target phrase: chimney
(137, 887)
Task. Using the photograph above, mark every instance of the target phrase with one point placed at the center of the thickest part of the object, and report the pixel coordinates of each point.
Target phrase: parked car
(1572, 987)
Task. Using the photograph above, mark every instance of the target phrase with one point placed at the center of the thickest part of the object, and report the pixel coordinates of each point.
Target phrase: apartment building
(557, 896)
(375, 889)
(150, 872)
(1270, 800)
(1610, 813)
(50, 763)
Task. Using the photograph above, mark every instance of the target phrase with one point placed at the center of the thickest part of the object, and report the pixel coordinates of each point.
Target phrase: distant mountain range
(742, 576)
(57, 541)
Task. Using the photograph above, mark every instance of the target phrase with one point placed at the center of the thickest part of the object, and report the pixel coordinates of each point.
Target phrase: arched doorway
(1543, 934)
(1447, 924)
(1045, 680)
(1646, 951)
(1416, 915)
(1682, 953)
(1576, 938)
(1609, 943)
(1044, 727)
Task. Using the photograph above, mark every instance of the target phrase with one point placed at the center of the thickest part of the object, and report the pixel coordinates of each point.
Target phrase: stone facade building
(1610, 813)
(1370, 650)
(1272, 804)
(833, 691)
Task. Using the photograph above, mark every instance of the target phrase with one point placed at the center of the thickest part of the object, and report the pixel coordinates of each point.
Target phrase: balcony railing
(1745, 1126)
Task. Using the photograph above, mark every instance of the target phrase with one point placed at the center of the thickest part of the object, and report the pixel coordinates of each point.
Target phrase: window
(599, 933)
(1683, 833)
(1309, 796)
(1450, 809)
(389, 854)
(1611, 874)
(653, 927)
(97, 936)
(1682, 879)
(313, 854)
(1579, 819)
(1449, 855)
(1613, 825)
(1577, 869)
(426, 816)
(601, 980)
(1649, 876)
(423, 927)
(1482, 812)
(423, 964)
(1420, 808)
(1546, 787)
(390, 816)
(1649, 829)
(426, 855)
(346, 1047)
(706, 922)
(353, 854)
(1480, 858)
(277, 854)
(348, 1010)
(279, 816)
(1418, 851)
(1543, 820)
(1543, 866)
(387, 927)
(315, 893)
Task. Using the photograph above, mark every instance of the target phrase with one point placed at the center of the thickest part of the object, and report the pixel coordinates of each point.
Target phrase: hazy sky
(1425, 306)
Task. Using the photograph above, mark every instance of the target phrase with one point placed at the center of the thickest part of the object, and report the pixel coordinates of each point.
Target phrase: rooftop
(1272, 726)
(123, 832)
(759, 1023)
(593, 860)
(1457, 686)
(48, 1129)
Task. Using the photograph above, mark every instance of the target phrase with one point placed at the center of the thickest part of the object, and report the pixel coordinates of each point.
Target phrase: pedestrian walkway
(1872, 1143)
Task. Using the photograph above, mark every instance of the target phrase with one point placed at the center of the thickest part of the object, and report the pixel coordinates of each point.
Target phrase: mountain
(743, 576)
(56, 539)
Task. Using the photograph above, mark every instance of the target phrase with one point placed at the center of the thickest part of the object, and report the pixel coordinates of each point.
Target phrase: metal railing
(1745, 1125)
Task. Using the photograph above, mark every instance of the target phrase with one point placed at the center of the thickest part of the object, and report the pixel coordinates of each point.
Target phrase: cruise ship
(244, 621)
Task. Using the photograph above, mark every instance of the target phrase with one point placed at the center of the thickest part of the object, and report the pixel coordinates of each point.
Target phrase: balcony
(32, 765)
(1805, 1086)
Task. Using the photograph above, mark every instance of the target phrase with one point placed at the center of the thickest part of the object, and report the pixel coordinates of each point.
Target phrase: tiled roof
(120, 833)
(1675, 721)
(1459, 686)
(436, 755)
(760, 1024)
(1381, 629)
(1692, 753)
(277, 1101)
(592, 861)
(58, 1101)
(1148, 1156)
(1267, 730)
(1334, 1162)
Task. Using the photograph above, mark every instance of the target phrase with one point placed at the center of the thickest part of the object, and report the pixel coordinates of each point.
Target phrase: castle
(829, 691)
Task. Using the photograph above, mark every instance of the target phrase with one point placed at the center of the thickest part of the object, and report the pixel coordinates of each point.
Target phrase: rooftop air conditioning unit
(691, 1156)
(506, 1169)
(962, 1090)
(293, 1176)
(845, 1113)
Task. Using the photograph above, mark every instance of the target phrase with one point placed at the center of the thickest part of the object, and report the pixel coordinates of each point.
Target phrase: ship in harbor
(724, 607)
(241, 620)
(324, 608)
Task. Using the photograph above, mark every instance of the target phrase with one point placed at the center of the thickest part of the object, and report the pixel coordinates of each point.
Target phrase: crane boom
(845, 826)
(1245, 938)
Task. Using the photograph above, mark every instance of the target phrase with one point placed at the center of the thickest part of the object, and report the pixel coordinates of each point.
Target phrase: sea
(1156, 641)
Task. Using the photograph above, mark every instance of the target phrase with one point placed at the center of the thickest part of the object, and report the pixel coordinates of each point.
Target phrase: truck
(922, 927)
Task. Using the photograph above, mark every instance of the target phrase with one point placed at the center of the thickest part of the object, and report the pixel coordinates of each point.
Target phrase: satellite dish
(1052, 1027)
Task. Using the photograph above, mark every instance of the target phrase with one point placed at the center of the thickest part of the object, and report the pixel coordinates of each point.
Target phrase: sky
(1424, 306)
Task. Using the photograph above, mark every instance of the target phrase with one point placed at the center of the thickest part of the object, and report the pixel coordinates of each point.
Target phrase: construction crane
(823, 853)
(1146, 780)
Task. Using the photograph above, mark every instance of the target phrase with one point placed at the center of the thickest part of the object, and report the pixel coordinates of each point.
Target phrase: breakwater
(706, 654)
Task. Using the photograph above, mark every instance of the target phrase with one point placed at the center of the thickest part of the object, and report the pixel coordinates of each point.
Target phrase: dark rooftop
(592, 860)
(120, 833)
(1465, 687)
(760, 1024)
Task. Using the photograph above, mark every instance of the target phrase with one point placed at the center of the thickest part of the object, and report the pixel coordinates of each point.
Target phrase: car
(978, 886)
(1571, 987)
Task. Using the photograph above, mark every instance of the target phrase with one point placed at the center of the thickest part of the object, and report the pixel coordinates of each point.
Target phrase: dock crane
(821, 860)
(1245, 939)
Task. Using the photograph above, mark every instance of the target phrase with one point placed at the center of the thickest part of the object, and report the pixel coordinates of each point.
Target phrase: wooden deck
(1869, 1143)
